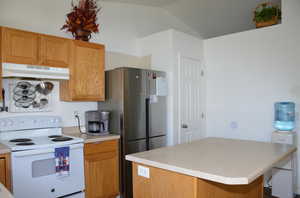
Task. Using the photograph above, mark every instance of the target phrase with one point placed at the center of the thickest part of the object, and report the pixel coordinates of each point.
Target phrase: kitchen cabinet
(20, 46)
(101, 163)
(86, 81)
(23, 47)
(55, 51)
(5, 177)
(85, 61)
(176, 185)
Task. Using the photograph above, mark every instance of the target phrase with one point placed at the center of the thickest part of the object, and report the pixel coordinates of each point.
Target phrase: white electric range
(32, 140)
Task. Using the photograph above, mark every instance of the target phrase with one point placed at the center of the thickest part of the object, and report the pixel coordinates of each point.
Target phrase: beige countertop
(226, 161)
(4, 149)
(4, 193)
(73, 131)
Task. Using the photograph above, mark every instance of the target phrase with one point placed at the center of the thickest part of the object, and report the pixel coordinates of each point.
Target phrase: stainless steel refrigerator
(136, 99)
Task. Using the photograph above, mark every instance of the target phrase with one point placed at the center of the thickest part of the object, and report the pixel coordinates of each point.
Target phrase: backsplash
(64, 109)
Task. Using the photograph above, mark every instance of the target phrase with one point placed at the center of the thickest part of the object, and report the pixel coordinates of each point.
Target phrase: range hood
(34, 71)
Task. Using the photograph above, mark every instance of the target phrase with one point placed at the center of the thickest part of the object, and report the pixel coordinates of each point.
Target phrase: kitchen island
(208, 168)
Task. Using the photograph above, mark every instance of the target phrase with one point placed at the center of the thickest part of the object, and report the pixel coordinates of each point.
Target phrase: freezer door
(157, 106)
(157, 142)
(135, 104)
(136, 146)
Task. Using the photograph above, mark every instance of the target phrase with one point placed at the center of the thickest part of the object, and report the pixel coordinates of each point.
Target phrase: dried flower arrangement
(82, 20)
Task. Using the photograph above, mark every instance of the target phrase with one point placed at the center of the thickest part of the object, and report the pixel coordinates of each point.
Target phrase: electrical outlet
(143, 171)
(234, 125)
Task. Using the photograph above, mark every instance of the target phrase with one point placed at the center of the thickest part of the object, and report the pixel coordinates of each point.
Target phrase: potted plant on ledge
(82, 20)
(267, 14)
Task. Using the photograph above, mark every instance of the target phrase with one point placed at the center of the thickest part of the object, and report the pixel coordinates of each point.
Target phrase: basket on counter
(266, 14)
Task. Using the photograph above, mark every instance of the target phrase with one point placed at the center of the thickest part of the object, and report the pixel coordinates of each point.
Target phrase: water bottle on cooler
(284, 116)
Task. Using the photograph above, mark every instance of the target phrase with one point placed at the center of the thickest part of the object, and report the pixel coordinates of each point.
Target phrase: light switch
(143, 171)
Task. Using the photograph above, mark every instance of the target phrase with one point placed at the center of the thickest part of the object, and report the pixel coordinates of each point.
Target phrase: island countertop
(226, 161)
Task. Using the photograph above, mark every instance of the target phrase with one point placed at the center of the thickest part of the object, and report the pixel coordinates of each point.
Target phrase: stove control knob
(53, 190)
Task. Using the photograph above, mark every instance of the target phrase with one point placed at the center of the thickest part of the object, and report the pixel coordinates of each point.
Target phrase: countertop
(4, 193)
(227, 161)
(4, 149)
(73, 131)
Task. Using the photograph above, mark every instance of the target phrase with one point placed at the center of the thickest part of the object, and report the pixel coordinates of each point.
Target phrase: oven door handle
(43, 151)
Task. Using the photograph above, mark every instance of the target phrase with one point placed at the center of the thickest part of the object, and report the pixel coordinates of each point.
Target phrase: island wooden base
(167, 184)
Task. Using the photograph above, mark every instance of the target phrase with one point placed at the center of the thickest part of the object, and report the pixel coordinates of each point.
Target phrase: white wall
(121, 25)
(164, 47)
(248, 72)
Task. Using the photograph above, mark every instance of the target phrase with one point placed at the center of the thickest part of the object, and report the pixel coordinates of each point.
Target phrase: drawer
(101, 147)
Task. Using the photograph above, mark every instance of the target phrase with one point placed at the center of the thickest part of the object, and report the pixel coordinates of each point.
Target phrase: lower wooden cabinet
(101, 163)
(5, 173)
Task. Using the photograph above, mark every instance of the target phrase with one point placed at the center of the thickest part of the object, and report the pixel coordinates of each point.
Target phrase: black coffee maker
(97, 122)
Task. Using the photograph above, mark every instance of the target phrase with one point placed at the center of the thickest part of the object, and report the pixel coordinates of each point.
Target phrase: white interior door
(190, 95)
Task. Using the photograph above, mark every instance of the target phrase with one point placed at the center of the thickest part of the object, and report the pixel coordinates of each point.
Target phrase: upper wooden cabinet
(84, 60)
(24, 47)
(86, 73)
(55, 51)
(20, 46)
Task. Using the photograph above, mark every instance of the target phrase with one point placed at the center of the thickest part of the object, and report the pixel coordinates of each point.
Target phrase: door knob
(184, 126)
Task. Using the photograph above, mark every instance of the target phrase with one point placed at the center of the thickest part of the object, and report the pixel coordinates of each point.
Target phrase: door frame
(180, 56)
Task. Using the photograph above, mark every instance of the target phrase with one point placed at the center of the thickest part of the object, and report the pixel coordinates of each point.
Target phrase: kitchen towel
(62, 161)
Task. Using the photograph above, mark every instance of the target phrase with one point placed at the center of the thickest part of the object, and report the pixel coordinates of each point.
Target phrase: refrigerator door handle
(121, 122)
(148, 124)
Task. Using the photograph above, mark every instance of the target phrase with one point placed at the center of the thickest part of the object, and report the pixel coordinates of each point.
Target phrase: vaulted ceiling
(210, 18)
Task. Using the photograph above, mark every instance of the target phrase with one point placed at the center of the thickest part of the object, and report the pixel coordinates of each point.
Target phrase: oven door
(33, 173)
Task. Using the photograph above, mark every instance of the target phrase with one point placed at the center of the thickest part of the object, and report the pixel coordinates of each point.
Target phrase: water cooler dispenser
(284, 173)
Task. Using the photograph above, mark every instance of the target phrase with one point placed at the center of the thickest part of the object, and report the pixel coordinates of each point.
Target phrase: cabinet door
(2, 171)
(87, 72)
(5, 177)
(102, 170)
(55, 51)
(20, 46)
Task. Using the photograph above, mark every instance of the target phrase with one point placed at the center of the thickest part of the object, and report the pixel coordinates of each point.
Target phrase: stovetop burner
(55, 136)
(62, 139)
(25, 144)
(21, 140)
